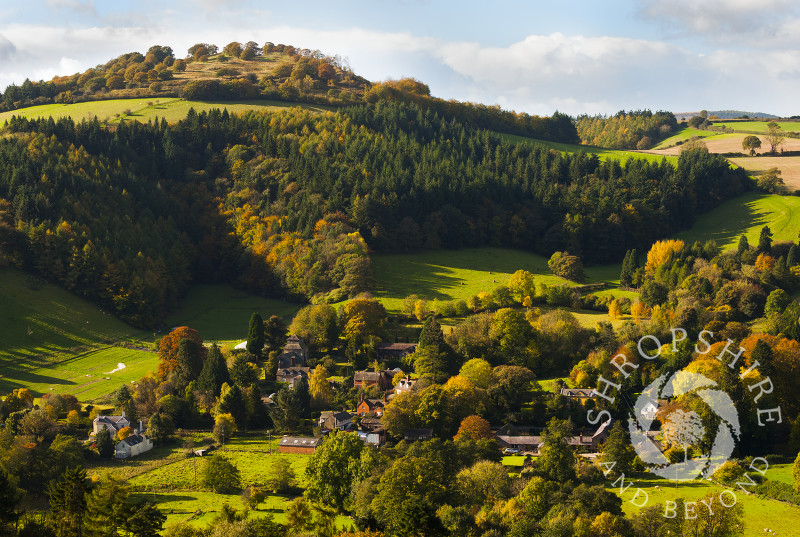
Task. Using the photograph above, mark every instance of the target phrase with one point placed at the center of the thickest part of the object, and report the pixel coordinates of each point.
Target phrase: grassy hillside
(601, 152)
(681, 136)
(42, 322)
(222, 313)
(145, 109)
(89, 376)
(747, 215)
(459, 274)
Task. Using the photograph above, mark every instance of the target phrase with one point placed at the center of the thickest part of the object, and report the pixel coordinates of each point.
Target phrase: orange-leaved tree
(473, 428)
(168, 348)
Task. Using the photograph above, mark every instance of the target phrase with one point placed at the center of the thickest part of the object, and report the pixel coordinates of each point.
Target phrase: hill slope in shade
(746, 215)
(40, 321)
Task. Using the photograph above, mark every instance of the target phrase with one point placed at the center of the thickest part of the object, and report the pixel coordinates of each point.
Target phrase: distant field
(729, 143)
(41, 322)
(681, 136)
(145, 109)
(459, 274)
(757, 126)
(222, 313)
(747, 214)
(88, 377)
(789, 167)
(601, 152)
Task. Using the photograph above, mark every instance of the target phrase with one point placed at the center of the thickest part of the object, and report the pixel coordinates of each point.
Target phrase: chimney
(384, 397)
(361, 399)
(123, 413)
(140, 426)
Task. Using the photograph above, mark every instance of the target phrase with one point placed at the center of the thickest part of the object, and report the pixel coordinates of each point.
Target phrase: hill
(746, 215)
(726, 114)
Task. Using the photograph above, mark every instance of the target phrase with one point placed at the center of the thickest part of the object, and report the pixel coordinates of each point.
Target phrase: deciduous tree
(331, 471)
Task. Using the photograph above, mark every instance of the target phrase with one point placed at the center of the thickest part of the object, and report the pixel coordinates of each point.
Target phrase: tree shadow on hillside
(729, 222)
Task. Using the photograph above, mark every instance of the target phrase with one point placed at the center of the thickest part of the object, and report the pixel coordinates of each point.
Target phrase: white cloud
(538, 74)
(760, 23)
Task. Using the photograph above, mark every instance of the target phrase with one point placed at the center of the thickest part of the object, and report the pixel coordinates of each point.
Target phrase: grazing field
(682, 135)
(731, 143)
(759, 513)
(746, 215)
(459, 274)
(757, 127)
(146, 108)
(40, 322)
(222, 313)
(789, 167)
(603, 153)
(166, 476)
(89, 376)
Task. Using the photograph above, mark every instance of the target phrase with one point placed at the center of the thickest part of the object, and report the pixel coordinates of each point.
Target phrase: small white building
(649, 411)
(135, 444)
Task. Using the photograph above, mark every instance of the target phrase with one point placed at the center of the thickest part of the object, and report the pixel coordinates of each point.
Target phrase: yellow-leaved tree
(660, 253)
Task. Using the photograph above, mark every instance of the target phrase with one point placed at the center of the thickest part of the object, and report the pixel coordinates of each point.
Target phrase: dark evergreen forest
(291, 203)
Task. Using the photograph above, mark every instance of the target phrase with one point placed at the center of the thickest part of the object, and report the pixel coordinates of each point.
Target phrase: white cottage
(135, 444)
(649, 411)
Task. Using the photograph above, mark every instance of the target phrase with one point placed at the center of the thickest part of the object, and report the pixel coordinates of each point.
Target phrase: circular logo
(684, 428)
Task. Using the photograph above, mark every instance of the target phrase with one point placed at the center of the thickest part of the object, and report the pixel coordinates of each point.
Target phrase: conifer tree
(214, 373)
(189, 362)
(10, 497)
(105, 444)
(255, 336)
(432, 334)
(68, 502)
(123, 401)
(762, 353)
(765, 240)
(743, 246)
(232, 402)
(791, 257)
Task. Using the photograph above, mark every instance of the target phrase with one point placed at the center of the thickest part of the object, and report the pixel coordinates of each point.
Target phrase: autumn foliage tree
(474, 428)
(660, 253)
(169, 347)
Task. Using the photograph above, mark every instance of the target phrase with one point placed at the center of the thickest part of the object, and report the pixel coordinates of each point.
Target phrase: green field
(145, 109)
(759, 513)
(88, 376)
(41, 321)
(459, 274)
(757, 126)
(603, 153)
(682, 135)
(222, 313)
(166, 476)
(747, 214)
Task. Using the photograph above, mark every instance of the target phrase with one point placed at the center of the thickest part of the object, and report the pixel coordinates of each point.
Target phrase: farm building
(298, 444)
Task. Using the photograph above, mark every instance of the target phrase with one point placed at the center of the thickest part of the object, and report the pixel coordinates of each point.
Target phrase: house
(649, 411)
(112, 423)
(133, 445)
(521, 443)
(394, 351)
(298, 444)
(582, 394)
(292, 375)
(371, 406)
(295, 353)
(372, 438)
(368, 379)
(413, 435)
(335, 420)
(404, 385)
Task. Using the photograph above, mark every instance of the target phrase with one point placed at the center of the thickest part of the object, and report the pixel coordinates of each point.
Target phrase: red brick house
(368, 379)
(373, 406)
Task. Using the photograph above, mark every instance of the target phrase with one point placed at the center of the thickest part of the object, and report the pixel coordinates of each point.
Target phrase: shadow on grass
(727, 222)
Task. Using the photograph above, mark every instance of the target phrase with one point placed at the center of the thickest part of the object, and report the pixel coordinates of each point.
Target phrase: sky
(576, 56)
